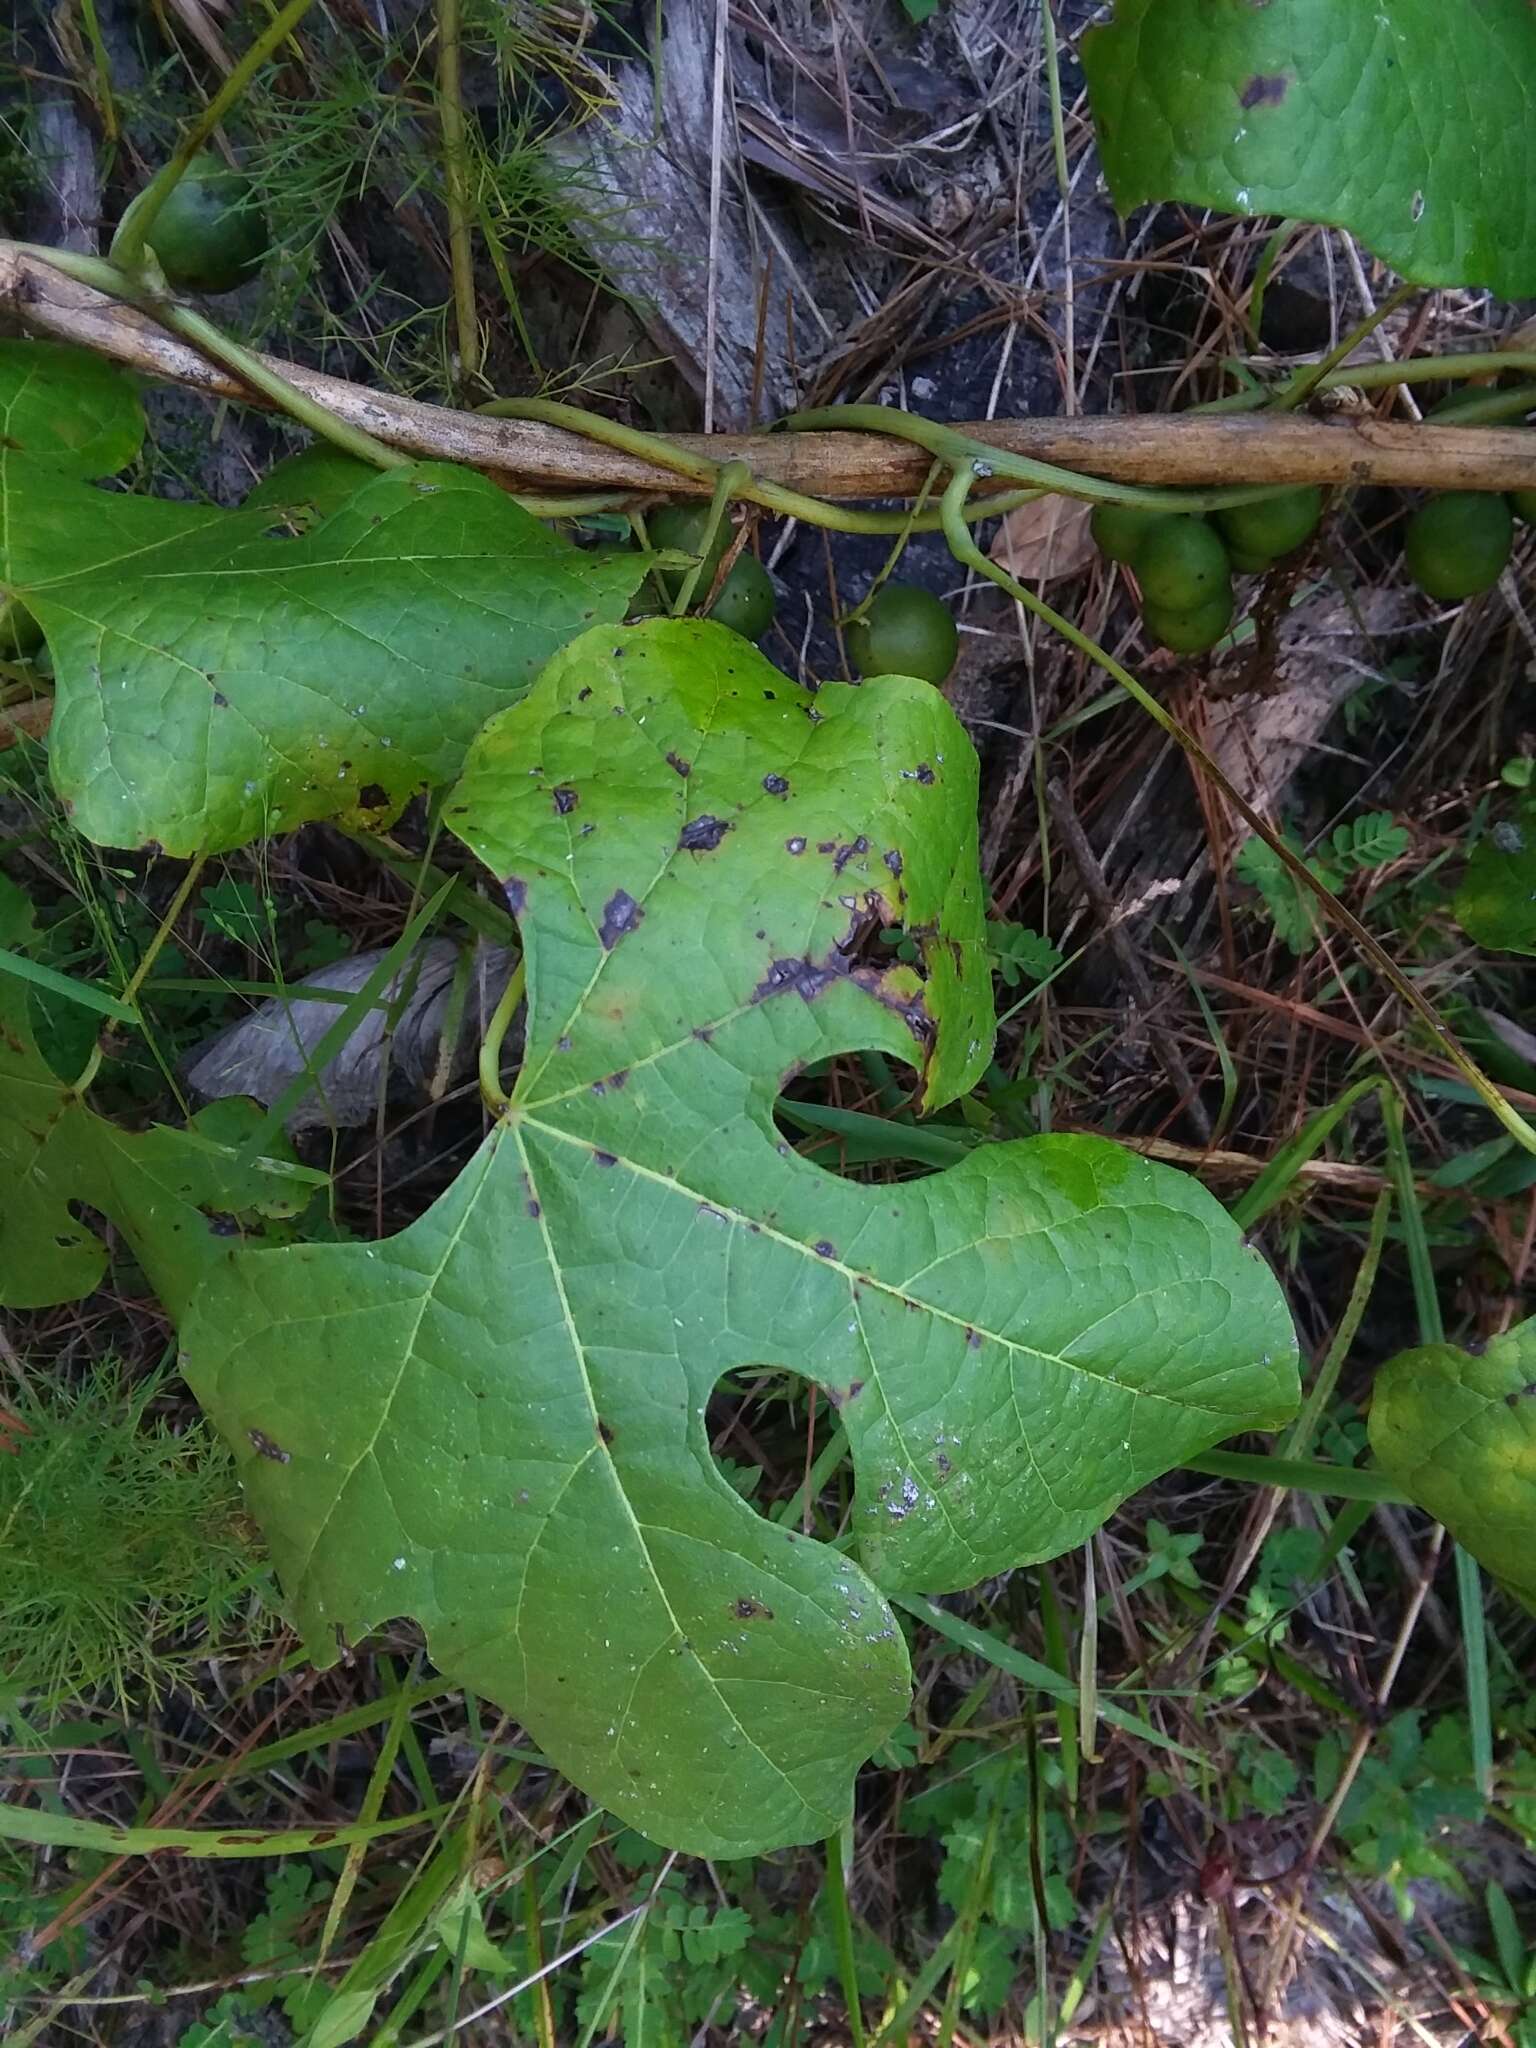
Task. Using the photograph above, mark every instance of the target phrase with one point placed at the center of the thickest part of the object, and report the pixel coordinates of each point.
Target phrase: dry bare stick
(1199, 449)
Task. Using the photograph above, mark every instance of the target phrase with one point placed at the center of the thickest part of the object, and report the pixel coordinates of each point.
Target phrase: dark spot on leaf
(517, 894)
(941, 1464)
(584, 693)
(684, 768)
(840, 1396)
(826, 846)
(220, 701)
(844, 854)
(924, 772)
(621, 914)
(533, 1207)
(617, 1079)
(801, 976)
(747, 1609)
(1519, 1394)
(605, 1158)
(566, 801)
(1265, 89)
(604, 1431)
(794, 846)
(220, 1225)
(973, 1338)
(266, 1448)
(893, 861)
(824, 1248)
(775, 785)
(373, 796)
(703, 1033)
(702, 834)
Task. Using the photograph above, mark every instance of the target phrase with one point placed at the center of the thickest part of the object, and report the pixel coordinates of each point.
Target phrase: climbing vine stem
(133, 230)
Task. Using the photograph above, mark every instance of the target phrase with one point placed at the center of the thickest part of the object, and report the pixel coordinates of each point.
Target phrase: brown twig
(1186, 449)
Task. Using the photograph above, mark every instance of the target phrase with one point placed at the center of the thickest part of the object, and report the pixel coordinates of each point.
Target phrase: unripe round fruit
(211, 234)
(906, 632)
(1244, 564)
(1458, 542)
(747, 599)
(1118, 530)
(1190, 632)
(682, 527)
(1181, 565)
(1272, 526)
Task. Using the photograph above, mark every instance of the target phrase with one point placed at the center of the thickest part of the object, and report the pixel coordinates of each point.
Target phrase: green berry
(1272, 526)
(1457, 543)
(683, 527)
(1181, 565)
(1190, 632)
(747, 599)
(211, 234)
(905, 632)
(1118, 530)
(1523, 505)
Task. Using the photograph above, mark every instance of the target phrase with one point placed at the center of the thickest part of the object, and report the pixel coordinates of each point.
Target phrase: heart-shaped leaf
(180, 1198)
(497, 1421)
(1406, 121)
(1457, 1430)
(215, 682)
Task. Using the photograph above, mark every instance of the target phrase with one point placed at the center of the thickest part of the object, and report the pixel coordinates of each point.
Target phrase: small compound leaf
(68, 409)
(180, 1198)
(216, 682)
(496, 1421)
(1410, 123)
(1496, 903)
(1457, 1431)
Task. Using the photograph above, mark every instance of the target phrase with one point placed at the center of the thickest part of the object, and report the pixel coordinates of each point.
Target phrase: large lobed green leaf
(496, 1421)
(1458, 1432)
(217, 682)
(179, 1197)
(1410, 122)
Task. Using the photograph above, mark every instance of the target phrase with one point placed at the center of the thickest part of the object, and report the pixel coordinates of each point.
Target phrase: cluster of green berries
(1185, 564)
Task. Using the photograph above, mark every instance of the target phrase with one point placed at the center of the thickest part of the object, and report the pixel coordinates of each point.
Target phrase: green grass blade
(983, 1643)
(85, 993)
